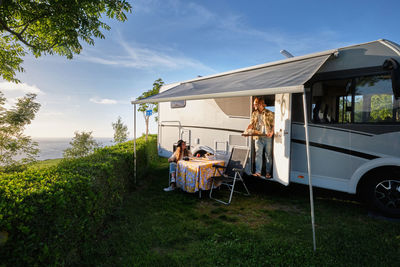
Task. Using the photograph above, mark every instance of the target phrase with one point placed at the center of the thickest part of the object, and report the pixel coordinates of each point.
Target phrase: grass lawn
(272, 227)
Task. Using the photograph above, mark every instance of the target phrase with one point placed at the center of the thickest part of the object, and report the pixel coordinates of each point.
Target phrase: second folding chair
(232, 173)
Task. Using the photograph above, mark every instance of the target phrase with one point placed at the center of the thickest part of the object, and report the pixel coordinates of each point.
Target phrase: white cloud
(194, 16)
(103, 101)
(20, 87)
(144, 58)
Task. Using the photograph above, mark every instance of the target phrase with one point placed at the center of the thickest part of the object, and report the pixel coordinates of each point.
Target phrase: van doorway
(269, 101)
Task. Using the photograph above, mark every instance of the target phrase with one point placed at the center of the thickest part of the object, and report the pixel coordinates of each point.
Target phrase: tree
(13, 143)
(51, 27)
(382, 107)
(150, 106)
(82, 145)
(120, 131)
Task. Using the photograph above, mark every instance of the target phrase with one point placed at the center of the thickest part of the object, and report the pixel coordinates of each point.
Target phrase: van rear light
(300, 177)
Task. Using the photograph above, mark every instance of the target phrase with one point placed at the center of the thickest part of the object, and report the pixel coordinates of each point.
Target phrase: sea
(53, 148)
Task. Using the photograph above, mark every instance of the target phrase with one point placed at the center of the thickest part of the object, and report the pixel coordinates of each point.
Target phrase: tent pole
(134, 143)
(309, 167)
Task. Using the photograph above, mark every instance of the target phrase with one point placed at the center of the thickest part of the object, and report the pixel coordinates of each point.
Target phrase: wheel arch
(360, 176)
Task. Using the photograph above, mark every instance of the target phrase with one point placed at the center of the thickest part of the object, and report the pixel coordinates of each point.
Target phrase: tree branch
(24, 29)
(21, 38)
(18, 35)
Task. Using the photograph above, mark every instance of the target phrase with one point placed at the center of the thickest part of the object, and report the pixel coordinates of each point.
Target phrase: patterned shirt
(268, 121)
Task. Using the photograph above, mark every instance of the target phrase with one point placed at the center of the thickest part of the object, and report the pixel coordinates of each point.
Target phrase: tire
(383, 193)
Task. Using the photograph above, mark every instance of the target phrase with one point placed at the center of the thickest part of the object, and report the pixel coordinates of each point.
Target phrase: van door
(281, 154)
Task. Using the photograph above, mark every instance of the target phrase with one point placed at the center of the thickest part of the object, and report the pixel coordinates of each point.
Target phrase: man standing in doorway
(262, 124)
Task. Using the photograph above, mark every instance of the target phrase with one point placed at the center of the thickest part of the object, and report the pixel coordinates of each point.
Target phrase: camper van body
(351, 143)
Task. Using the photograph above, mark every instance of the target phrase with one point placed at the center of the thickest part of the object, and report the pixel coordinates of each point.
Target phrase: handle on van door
(279, 134)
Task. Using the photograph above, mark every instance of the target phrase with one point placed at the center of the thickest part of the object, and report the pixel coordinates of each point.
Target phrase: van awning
(285, 76)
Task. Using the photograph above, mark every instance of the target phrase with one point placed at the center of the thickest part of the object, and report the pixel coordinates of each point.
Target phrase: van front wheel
(383, 194)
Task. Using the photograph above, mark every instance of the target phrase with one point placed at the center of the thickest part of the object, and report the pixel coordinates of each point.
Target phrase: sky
(177, 40)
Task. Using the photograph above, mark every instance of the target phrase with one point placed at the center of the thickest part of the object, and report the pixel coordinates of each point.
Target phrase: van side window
(178, 104)
(374, 100)
(367, 99)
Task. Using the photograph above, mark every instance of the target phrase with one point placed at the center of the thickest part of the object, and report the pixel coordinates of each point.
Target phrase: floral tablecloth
(194, 175)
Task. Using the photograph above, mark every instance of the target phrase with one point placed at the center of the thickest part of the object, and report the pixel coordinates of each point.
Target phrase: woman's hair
(179, 151)
(179, 143)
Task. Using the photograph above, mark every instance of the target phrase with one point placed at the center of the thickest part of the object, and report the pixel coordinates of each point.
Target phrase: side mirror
(393, 66)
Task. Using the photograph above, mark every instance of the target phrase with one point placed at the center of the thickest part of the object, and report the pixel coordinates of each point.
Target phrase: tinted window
(367, 99)
(178, 104)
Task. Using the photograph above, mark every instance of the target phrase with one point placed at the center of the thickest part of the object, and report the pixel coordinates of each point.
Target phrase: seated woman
(180, 152)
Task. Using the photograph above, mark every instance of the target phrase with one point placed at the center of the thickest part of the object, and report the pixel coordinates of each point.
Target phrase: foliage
(13, 143)
(120, 131)
(51, 27)
(381, 107)
(82, 145)
(44, 163)
(48, 214)
(150, 106)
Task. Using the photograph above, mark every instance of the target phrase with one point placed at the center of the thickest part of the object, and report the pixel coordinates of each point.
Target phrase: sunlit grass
(271, 227)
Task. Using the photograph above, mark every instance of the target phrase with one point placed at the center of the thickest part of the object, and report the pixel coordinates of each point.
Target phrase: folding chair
(232, 173)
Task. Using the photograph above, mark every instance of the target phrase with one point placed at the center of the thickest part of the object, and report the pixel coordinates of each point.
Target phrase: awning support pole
(134, 143)
(309, 167)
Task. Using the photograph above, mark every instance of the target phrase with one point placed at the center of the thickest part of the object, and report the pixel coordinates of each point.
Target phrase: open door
(281, 154)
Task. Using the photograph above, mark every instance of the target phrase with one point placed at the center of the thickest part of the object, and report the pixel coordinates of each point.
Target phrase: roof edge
(392, 45)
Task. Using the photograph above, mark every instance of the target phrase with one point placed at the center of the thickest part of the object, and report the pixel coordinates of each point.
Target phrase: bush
(47, 214)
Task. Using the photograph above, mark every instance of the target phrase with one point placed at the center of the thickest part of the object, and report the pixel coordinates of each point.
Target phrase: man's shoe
(169, 188)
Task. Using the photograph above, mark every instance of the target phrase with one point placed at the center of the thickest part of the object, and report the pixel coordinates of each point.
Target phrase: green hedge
(47, 214)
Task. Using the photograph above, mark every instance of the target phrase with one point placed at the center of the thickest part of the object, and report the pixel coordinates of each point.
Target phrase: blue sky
(177, 40)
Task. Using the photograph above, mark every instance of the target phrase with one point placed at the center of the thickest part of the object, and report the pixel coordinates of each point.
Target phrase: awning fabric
(288, 76)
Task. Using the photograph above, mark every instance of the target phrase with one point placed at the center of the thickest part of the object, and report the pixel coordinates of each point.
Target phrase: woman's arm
(177, 154)
(172, 158)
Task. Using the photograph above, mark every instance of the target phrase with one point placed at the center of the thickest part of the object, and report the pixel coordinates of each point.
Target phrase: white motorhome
(352, 97)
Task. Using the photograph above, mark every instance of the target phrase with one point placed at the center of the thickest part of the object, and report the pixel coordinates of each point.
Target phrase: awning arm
(309, 167)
